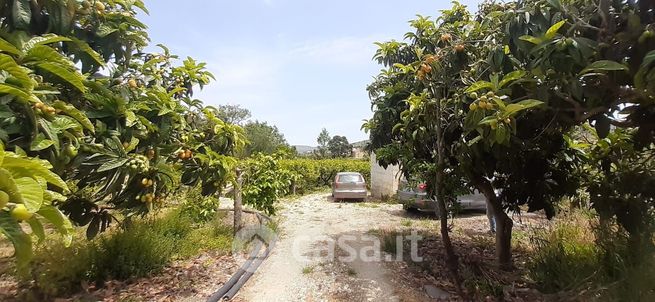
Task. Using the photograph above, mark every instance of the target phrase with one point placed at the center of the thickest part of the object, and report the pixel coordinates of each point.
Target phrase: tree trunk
(238, 206)
(503, 224)
(451, 258)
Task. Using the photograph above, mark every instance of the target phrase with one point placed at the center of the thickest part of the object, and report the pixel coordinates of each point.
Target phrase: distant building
(359, 152)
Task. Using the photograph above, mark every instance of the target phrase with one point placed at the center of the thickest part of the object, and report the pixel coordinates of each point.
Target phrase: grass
(351, 272)
(406, 222)
(589, 261)
(367, 205)
(144, 248)
(307, 270)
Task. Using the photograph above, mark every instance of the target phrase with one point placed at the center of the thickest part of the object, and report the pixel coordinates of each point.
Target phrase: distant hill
(360, 144)
(302, 149)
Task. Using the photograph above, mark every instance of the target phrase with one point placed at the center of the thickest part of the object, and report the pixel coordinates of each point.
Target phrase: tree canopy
(263, 138)
(339, 146)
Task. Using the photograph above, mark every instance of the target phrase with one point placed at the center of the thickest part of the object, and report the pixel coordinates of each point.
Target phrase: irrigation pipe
(247, 269)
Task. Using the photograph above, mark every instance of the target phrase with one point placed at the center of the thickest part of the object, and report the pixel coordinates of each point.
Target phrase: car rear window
(349, 178)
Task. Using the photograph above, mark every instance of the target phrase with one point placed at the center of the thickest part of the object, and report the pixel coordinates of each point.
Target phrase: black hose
(247, 269)
(233, 280)
(254, 265)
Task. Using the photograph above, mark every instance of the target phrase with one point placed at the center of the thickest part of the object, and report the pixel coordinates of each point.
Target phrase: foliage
(565, 255)
(339, 146)
(323, 140)
(319, 173)
(263, 138)
(233, 114)
(264, 181)
(579, 257)
(512, 92)
(120, 124)
(30, 189)
(144, 248)
(199, 208)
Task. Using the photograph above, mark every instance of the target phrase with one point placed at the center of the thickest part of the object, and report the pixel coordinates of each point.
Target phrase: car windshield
(349, 178)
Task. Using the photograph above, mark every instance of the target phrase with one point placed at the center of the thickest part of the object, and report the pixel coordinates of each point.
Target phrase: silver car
(416, 198)
(349, 185)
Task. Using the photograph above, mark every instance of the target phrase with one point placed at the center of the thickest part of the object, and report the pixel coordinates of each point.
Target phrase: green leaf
(640, 76)
(552, 31)
(511, 77)
(73, 78)
(21, 14)
(604, 65)
(9, 48)
(50, 131)
(8, 184)
(44, 40)
(24, 167)
(40, 142)
(89, 51)
(73, 112)
(21, 241)
(112, 164)
(474, 141)
(37, 228)
(488, 120)
(42, 53)
(501, 133)
(555, 4)
(61, 223)
(529, 103)
(105, 30)
(531, 39)
(17, 92)
(479, 85)
(130, 118)
(31, 191)
(8, 64)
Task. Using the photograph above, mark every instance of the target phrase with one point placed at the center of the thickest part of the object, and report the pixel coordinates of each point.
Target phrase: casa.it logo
(252, 244)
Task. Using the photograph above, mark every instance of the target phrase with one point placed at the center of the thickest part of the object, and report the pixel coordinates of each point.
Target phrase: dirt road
(308, 262)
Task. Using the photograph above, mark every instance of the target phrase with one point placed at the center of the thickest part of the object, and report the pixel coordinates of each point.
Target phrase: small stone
(435, 292)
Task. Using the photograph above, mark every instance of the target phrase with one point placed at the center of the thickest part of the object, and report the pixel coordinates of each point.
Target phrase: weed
(308, 270)
(406, 222)
(351, 272)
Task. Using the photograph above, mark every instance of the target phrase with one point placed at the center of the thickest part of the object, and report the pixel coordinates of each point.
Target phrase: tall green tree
(339, 146)
(323, 140)
(263, 138)
(81, 98)
(233, 114)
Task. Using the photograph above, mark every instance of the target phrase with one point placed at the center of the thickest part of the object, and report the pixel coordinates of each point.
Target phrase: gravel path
(300, 268)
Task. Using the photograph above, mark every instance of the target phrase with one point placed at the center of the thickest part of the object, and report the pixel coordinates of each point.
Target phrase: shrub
(591, 259)
(57, 269)
(199, 208)
(564, 256)
(317, 173)
(134, 252)
(143, 248)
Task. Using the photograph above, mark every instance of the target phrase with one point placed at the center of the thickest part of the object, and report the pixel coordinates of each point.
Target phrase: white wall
(384, 182)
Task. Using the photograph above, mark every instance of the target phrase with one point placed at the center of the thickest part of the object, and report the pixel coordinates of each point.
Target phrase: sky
(301, 65)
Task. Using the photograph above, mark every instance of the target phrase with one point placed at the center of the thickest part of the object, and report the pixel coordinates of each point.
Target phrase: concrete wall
(384, 182)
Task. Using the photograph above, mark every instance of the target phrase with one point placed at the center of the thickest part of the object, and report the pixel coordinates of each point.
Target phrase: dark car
(415, 197)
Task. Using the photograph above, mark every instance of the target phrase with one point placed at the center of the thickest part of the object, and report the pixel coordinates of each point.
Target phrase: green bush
(317, 173)
(564, 256)
(199, 208)
(591, 260)
(142, 248)
(57, 269)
